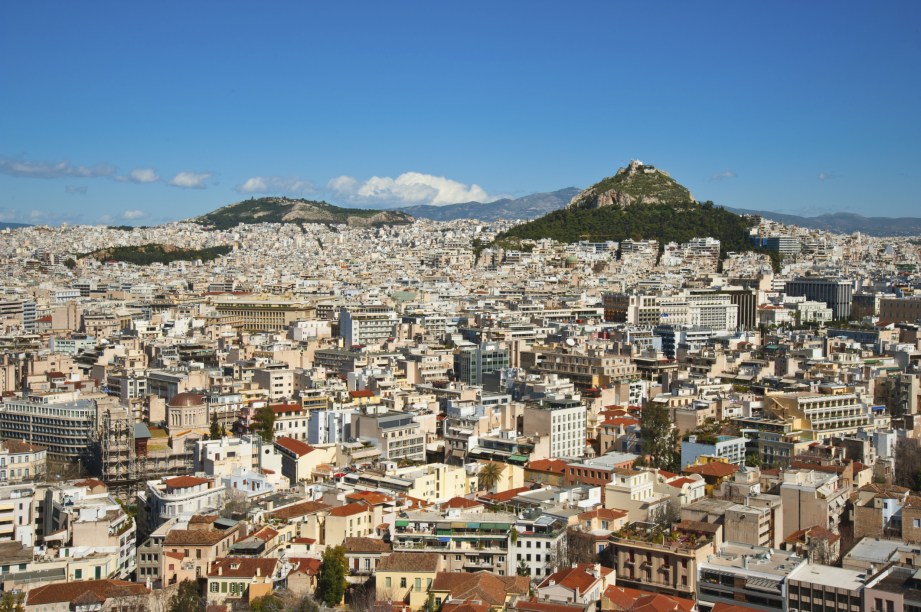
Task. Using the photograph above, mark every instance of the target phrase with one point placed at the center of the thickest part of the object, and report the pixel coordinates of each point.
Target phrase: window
(78, 574)
(387, 582)
(418, 584)
(403, 582)
(214, 587)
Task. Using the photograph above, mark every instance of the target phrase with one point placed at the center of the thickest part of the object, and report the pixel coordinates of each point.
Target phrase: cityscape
(258, 381)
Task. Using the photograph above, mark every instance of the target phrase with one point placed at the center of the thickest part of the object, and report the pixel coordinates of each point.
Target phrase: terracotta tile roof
(556, 466)
(366, 545)
(372, 498)
(464, 606)
(481, 586)
(194, 537)
(349, 509)
(242, 567)
(627, 599)
(714, 469)
(265, 534)
(283, 408)
(818, 532)
(535, 605)
(295, 446)
(86, 591)
(305, 565)
(183, 482)
(577, 577)
(409, 562)
(504, 496)
(301, 509)
(21, 446)
(361, 393)
(91, 483)
(725, 607)
(608, 514)
(680, 482)
(203, 519)
(461, 502)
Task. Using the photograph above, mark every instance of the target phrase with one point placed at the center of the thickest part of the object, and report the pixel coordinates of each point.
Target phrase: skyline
(151, 115)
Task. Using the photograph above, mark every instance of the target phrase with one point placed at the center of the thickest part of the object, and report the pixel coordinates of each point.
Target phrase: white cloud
(49, 170)
(277, 185)
(143, 175)
(408, 188)
(190, 180)
(722, 176)
(824, 176)
(76, 189)
(133, 215)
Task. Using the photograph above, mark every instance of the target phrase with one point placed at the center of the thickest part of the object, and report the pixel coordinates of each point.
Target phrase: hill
(845, 223)
(639, 202)
(147, 254)
(287, 210)
(10, 225)
(527, 207)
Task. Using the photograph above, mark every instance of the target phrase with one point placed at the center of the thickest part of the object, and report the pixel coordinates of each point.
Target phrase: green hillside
(286, 210)
(147, 254)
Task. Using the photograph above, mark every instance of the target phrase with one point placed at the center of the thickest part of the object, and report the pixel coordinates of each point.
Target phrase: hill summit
(638, 183)
(639, 202)
(288, 210)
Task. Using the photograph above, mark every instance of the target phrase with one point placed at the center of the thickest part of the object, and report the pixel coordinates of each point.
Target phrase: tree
(659, 437)
(753, 460)
(267, 603)
(523, 569)
(264, 424)
(12, 602)
(580, 547)
(70, 263)
(187, 598)
(215, 432)
(908, 464)
(331, 581)
(489, 475)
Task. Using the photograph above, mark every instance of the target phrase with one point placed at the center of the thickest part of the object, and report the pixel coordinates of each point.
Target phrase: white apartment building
(563, 420)
(62, 422)
(182, 496)
(368, 325)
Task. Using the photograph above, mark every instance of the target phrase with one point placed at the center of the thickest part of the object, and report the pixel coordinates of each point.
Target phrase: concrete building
(836, 293)
(22, 461)
(472, 362)
(745, 575)
(64, 423)
(812, 498)
(730, 448)
(366, 325)
(563, 421)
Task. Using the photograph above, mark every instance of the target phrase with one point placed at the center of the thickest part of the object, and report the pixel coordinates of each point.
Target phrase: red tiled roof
(183, 482)
(361, 393)
(504, 496)
(409, 562)
(624, 598)
(89, 591)
(535, 605)
(460, 502)
(282, 408)
(482, 586)
(372, 498)
(296, 510)
(556, 466)
(295, 446)
(349, 509)
(714, 469)
(578, 577)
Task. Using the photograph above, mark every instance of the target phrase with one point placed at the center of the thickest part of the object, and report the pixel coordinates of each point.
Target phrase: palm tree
(489, 476)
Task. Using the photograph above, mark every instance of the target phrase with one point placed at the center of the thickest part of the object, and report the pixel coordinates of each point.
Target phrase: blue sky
(147, 112)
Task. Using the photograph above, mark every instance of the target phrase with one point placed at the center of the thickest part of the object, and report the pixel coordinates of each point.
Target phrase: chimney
(220, 570)
(596, 570)
(258, 571)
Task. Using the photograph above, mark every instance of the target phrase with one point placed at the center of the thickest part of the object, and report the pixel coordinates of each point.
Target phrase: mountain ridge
(526, 207)
(296, 210)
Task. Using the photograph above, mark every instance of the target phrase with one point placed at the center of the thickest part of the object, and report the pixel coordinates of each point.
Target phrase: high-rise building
(472, 362)
(563, 421)
(366, 324)
(836, 292)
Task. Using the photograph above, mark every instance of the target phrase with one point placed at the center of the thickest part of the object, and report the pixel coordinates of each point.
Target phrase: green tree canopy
(264, 424)
(187, 598)
(331, 581)
(215, 432)
(659, 438)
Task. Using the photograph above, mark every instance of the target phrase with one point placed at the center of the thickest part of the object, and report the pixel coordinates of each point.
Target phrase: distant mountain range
(527, 207)
(844, 223)
(5, 225)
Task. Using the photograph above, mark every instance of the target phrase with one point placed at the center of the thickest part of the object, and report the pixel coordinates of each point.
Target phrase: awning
(402, 523)
(517, 458)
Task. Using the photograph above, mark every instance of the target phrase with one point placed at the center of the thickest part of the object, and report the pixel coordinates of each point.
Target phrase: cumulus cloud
(722, 176)
(824, 176)
(190, 180)
(51, 170)
(143, 175)
(133, 215)
(408, 188)
(277, 185)
(76, 189)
